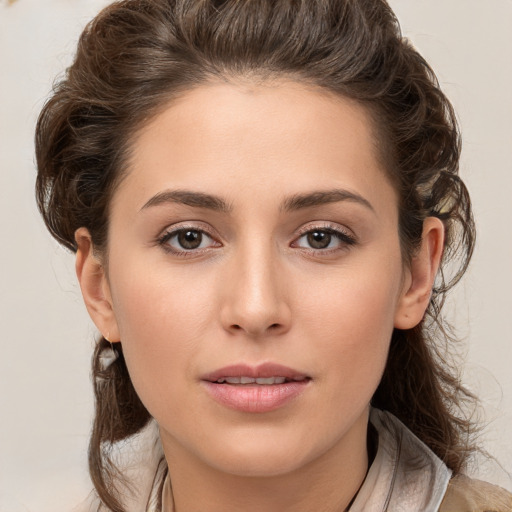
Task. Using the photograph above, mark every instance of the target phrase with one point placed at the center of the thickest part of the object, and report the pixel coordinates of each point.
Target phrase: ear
(420, 276)
(95, 287)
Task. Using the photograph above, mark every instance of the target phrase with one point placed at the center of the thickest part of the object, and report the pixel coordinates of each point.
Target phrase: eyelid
(192, 225)
(327, 226)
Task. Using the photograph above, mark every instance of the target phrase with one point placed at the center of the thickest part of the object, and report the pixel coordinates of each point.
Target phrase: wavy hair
(137, 55)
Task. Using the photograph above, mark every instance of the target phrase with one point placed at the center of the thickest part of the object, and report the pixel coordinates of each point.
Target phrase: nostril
(272, 327)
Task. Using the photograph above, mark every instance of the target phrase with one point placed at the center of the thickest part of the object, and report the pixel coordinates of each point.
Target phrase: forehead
(225, 138)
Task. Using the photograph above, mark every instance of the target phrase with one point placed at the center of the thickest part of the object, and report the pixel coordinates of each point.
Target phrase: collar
(405, 476)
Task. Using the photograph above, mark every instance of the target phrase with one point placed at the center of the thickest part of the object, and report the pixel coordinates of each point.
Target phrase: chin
(259, 456)
(258, 466)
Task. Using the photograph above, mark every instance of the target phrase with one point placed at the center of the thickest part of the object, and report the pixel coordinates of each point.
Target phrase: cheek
(357, 304)
(163, 318)
(152, 300)
(352, 320)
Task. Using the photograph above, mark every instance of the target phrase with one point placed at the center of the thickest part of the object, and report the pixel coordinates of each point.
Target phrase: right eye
(186, 240)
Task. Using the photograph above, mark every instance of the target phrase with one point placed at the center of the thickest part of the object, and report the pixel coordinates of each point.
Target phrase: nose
(255, 295)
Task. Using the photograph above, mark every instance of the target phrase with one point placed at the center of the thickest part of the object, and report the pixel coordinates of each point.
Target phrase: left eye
(323, 239)
(187, 240)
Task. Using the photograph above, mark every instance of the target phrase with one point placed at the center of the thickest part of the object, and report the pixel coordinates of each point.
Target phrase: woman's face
(256, 236)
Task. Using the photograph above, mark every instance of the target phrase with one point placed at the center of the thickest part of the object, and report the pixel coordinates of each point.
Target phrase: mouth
(263, 374)
(263, 388)
(262, 381)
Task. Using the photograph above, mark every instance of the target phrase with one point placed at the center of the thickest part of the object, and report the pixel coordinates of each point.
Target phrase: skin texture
(256, 291)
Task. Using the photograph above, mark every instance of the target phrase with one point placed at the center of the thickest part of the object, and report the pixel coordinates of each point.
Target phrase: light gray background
(47, 338)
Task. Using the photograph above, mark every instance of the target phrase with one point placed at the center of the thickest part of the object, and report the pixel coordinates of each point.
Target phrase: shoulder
(466, 494)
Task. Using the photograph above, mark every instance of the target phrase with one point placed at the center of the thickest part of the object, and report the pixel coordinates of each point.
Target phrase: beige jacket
(468, 495)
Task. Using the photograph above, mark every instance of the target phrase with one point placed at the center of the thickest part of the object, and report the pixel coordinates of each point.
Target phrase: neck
(333, 479)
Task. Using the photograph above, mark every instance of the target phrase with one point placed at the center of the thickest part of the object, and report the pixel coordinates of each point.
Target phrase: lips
(252, 374)
(258, 389)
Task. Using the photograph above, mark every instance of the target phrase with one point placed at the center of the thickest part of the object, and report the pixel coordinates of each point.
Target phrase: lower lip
(255, 397)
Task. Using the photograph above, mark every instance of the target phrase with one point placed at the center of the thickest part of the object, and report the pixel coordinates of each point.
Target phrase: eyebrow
(196, 199)
(300, 201)
(292, 203)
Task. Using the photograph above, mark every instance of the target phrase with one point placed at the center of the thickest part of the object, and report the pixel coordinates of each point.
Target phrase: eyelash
(345, 239)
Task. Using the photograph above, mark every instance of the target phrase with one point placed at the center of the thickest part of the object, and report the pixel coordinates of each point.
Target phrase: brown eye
(186, 240)
(319, 239)
(325, 239)
(189, 239)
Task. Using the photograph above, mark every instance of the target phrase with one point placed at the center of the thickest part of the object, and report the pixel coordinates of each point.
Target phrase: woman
(263, 197)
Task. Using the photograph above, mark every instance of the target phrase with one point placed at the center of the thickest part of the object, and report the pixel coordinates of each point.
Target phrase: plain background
(47, 338)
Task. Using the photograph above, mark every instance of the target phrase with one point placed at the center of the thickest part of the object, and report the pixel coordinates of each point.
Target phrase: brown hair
(137, 55)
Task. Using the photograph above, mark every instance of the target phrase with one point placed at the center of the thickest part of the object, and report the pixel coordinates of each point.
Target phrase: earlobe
(94, 285)
(423, 269)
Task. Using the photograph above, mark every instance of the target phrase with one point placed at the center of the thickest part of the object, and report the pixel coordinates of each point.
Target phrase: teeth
(250, 380)
(231, 380)
(270, 380)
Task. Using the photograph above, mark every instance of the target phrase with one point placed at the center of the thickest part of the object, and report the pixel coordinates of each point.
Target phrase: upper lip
(264, 370)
